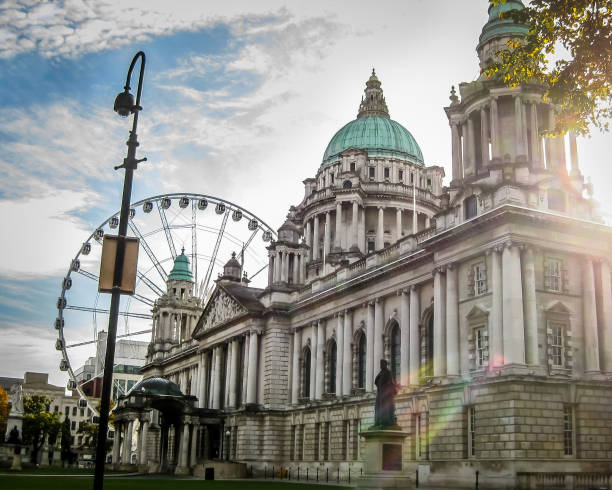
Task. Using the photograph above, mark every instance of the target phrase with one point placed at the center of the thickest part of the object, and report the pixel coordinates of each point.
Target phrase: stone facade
(490, 298)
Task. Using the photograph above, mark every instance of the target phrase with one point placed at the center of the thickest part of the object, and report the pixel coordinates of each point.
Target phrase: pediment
(477, 311)
(221, 308)
(557, 307)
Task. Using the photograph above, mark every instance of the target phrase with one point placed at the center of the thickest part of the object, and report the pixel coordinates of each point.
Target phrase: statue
(386, 389)
(16, 397)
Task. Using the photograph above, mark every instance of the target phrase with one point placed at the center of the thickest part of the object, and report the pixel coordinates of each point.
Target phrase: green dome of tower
(374, 131)
(506, 26)
(181, 270)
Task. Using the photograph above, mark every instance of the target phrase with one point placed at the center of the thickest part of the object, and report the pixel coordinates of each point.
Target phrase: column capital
(348, 311)
(255, 331)
(381, 208)
(414, 287)
(438, 270)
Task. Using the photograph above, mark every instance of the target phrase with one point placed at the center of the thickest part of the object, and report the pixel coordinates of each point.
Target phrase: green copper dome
(380, 136)
(157, 386)
(374, 131)
(503, 27)
(181, 270)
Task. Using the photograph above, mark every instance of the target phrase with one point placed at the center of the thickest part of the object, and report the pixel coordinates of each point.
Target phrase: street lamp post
(124, 105)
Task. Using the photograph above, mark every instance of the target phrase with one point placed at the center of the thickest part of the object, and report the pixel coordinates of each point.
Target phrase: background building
(491, 299)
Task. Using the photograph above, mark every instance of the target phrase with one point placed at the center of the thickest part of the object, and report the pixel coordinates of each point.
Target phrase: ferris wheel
(205, 228)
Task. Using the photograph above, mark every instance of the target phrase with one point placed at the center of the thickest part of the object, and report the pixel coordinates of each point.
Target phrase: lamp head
(124, 103)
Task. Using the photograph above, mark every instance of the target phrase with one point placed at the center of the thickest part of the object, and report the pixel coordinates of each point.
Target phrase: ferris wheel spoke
(143, 299)
(149, 252)
(90, 275)
(164, 220)
(152, 286)
(263, 268)
(246, 245)
(194, 241)
(104, 311)
(213, 258)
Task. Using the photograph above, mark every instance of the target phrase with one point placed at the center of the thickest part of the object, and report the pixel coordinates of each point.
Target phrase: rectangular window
(82, 412)
(74, 411)
(353, 166)
(67, 411)
(556, 343)
(552, 274)
(400, 175)
(56, 408)
(568, 430)
(371, 246)
(411, 178)
(472, 432)
(386, 172)
(470, 206)
(331, 176)
(481, 344)
(73, 425)
(371, 172)
(480, 279)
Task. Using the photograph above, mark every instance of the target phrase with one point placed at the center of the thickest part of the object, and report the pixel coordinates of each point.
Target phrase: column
(252, 374)
(606, 313)
(144, 433)
(378, 334)
(470, 168)
(380, 229)
(452, 322)
(530, 305)
(315, 240)
(194, 445)
(184, 445)
(285, 267)
(398, 223)
(338, 233)
(494, 129)
(228, 374)
(271, 268)
(484, 137)
(327, 233)
(295, 374)
(216, 404)
(313, 360)
(303, 267)
(354, 226)
(404, 337)
(362, 232)
(456, 142)
(536, 144)
(496, 349)
(211, 382)
(339, 354)
(233, 373)
(117, 443)
(589, 308)
(512, 308)
(278, 267)
(518, 126)
(415, 358)
(245, 369)
(320, 371)
(439, 340)
(370, 347)
(296, 269)
(347, 372)
(309, 238)
(575, 169)
(127, 444)
(549, 146)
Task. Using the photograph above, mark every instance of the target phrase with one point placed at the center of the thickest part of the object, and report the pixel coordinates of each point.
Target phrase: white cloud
(42, 236)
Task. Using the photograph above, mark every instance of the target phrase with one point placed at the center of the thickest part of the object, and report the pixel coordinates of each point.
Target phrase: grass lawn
(14, 482)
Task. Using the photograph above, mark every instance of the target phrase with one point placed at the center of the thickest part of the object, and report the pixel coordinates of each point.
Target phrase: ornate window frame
(357, 336)
(478, 284)
(555, 276)
(559, 347)
(478, 338)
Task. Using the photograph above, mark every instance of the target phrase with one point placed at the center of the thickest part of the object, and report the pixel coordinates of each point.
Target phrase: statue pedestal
(382, 456)
(14, 420)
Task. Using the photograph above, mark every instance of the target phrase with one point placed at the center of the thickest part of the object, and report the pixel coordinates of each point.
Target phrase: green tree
(38, 422)
(3, 413)
(577, 34)
(66, 441)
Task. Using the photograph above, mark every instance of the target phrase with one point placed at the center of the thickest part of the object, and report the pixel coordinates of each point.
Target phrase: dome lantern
(181, 270)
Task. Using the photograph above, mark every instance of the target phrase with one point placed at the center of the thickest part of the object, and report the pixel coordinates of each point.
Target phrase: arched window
(395, 352)
(427, 358)
(332, 360)
(361, 361)
(306, 373)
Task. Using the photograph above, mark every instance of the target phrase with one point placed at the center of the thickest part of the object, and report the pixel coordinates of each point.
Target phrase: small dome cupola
(289, 232)
(181, 270)
(373, 103)
(232, 270)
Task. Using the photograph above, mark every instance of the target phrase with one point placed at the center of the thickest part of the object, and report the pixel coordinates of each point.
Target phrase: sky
(240, 99)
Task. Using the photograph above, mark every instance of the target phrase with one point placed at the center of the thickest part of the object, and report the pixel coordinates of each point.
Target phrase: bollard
(361, 471)
(273, 472)
(477, 473)
(317, 473)
(306, 474)
(326, 475)
(417, 478)
(338, 478)
(298, 473)
(349, 476)
(265, 471)
(289, 474)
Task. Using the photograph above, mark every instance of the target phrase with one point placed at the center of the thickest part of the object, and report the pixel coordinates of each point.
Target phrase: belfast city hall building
(489, 296)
